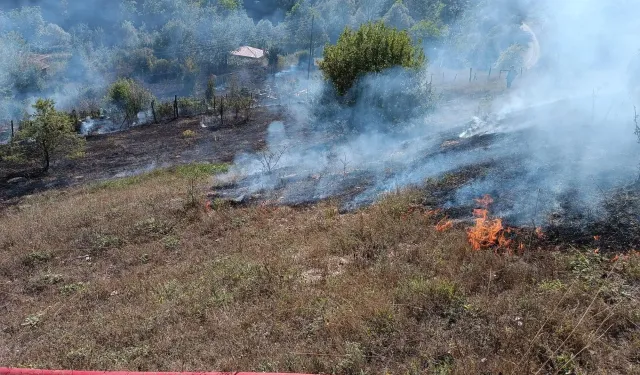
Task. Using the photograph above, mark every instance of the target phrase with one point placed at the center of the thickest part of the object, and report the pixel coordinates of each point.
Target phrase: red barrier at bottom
(30, 371)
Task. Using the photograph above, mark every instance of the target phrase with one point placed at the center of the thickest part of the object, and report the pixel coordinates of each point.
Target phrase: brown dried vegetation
(133, 276)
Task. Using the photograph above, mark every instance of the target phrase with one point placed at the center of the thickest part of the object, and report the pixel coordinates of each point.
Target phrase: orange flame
(485, 201)
(487, 233)
(596, 238)
(539, 233)
(444, 225)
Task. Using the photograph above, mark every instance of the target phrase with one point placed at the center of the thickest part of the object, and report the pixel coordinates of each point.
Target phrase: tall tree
(371, 49)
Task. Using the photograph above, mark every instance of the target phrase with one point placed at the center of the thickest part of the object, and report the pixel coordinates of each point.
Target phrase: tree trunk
(47, 160)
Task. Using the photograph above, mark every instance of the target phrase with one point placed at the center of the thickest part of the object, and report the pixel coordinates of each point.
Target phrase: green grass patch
(193, 170)
(200, 169)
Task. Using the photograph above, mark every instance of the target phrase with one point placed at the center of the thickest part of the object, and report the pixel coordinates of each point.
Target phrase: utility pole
(310, 47)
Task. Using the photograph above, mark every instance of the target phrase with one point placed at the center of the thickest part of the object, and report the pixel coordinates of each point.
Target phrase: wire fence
(237, 106)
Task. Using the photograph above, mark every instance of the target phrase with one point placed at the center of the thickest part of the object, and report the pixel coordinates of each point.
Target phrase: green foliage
(272, 56)
(399, 17)
(164, 70)
(128, 98)
(51, 131)
(201, 169)
(164, 110)
(230, 4)
(427, 31)
(211, 89)
(191, 106)
(371, 49)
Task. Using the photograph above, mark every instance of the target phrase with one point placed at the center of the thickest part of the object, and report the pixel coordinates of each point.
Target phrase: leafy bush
(128, 98)
(426, 32)
(140, 60)
(164, 111)
(51, 131)
(190, 106)
(371, 49)
(164, 70)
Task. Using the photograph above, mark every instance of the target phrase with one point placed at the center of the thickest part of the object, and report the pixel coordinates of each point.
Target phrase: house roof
(42, 61)
(251, 52)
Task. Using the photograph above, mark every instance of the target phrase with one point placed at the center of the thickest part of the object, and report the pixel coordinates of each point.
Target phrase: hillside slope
(136, 274)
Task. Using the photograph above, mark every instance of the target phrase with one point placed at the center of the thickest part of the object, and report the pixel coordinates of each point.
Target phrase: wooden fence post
(12, 131)
(153, 111)
(77, 126)
(470, 74)
(221, 110)
(175, 107)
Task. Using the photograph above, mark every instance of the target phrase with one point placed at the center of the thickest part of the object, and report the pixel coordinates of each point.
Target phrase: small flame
(596, 238)
(444, 225)
(539, 233)
(488, 233)
(485, 201)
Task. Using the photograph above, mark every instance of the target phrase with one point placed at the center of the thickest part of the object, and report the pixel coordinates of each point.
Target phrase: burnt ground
(143, 148)
(529, 187)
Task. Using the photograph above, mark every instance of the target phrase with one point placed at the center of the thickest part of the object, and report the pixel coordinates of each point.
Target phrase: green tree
(210, 93)
(427, 32)
(51, 131)
(128, 98)
(371, 49)
(399, 17)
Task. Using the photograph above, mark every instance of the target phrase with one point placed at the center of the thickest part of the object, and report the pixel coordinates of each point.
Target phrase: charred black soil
(138, 150)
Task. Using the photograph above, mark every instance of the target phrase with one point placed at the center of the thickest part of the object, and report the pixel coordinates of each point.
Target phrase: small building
(246, 52)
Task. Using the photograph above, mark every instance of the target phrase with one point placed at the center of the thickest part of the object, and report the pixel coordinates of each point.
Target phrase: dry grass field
(137, 274)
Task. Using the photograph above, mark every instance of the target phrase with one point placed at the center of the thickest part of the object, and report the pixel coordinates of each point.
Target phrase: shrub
(210, 93)
(273, 57)
(188, 133)
(128, 98)
(191, 106)
(140, 60)
(164, 70)
(165, 110)
(52, 132)
(371, 49)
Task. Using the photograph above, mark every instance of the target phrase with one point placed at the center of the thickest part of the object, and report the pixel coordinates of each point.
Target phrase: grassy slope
(131, 275)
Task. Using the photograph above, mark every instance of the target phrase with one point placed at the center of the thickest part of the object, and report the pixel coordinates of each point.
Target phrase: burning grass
(138, 278)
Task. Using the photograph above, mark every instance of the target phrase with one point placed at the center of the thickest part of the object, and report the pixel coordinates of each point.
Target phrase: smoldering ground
(563, 135)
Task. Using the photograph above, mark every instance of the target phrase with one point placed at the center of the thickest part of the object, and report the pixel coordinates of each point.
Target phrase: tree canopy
(372, 48)
(51, 131)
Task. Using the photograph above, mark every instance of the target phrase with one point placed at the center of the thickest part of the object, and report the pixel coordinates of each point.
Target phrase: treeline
(71, 49)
